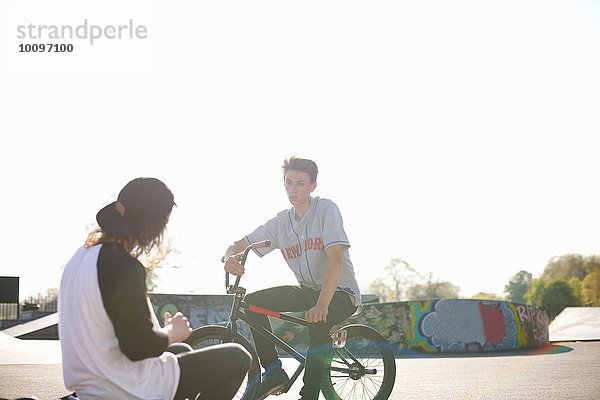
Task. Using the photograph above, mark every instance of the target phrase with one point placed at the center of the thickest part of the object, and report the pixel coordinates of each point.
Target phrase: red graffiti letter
(493, 323)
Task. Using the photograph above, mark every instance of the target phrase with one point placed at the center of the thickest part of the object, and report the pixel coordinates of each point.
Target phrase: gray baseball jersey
(303, 244)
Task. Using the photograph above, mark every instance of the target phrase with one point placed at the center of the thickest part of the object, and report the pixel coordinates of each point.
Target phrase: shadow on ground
(547, 349)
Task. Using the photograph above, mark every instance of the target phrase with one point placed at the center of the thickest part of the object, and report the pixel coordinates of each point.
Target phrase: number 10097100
(45, 48)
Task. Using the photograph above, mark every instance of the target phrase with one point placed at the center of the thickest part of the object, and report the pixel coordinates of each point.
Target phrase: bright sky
(459, 136)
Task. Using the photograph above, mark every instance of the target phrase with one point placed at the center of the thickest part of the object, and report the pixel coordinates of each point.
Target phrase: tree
(382, 290)
(574, 270)
(590, 289)
(535, 292)
(591, 264)
(518, 286)
(161, 258)
(486, 296)
(566, 267)
(433, 289)
(42, 301)
(152, 279)
(553, 296)
(49, 296)
(402, 282)
(397, 277)
(575, 285)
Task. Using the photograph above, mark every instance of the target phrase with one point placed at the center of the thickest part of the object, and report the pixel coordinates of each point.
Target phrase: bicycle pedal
(339, 339)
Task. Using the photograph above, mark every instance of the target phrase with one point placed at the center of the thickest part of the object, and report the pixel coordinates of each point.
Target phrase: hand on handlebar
(233, 265)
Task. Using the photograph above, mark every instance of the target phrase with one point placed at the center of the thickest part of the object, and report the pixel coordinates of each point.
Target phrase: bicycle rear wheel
(211, 335)
(367, 367)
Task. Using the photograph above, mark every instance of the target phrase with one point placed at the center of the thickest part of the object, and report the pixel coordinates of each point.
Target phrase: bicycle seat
(358, 313)
(350, 320)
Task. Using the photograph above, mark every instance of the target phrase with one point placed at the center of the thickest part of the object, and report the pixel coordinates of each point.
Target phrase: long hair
(147, 242)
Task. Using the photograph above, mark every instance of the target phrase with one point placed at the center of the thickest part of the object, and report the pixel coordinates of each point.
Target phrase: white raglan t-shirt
(93, 364)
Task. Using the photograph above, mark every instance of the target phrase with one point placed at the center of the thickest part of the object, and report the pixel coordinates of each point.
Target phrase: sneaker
(272, 383)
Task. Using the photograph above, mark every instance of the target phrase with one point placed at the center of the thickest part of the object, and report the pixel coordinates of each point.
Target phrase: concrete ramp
(576, 323)
(32, 326)
(17, 351)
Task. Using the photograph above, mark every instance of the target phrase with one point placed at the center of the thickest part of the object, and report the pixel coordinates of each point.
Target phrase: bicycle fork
(233, 316)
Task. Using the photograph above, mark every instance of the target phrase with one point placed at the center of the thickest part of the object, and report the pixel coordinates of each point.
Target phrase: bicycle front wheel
(211, 335)
(362, 366)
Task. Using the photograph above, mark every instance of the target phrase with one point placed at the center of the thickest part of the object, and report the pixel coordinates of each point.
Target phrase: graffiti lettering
(493, 323)
(521, 310)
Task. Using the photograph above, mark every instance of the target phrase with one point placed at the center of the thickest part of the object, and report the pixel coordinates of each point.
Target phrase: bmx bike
(360, 363)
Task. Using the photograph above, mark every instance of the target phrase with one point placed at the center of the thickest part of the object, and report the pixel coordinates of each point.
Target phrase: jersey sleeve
(267, 231)
(333, 227)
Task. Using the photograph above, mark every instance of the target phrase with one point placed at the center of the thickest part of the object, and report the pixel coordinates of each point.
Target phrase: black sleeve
(122, 281)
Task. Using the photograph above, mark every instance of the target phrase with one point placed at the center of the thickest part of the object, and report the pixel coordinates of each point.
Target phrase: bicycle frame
(238, 303)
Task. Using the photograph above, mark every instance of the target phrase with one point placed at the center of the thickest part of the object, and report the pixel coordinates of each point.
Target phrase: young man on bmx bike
(313, 242)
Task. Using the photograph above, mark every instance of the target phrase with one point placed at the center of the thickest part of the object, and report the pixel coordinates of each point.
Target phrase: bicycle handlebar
(253, 246)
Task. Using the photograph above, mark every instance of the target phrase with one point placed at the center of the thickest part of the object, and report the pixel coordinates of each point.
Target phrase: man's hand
(233, 266)
(317, 314)
(177, 327)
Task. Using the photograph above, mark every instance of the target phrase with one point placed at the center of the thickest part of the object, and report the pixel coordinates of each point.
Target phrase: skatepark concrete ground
(565, 370)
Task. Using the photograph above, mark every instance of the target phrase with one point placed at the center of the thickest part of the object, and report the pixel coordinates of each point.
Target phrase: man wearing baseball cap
(112, 344)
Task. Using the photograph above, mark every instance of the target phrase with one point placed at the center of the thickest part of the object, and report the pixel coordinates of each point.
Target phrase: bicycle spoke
(363, 369)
